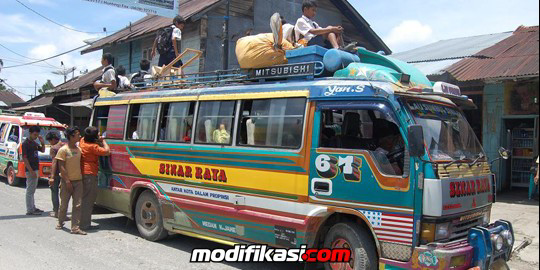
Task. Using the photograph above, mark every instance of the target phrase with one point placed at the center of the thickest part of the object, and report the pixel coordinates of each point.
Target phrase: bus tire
(12, 178)
(352, 236)
(148, 217)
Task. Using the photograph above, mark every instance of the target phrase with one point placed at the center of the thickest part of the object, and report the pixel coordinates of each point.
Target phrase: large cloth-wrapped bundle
(258, 51)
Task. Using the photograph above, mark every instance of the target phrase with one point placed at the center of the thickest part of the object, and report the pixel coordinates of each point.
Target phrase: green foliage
(46, 86)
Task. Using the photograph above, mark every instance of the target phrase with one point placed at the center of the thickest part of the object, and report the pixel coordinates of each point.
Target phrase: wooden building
(204, 30)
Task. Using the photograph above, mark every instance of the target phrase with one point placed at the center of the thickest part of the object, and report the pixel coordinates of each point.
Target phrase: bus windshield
(447, 133)
(44, 132)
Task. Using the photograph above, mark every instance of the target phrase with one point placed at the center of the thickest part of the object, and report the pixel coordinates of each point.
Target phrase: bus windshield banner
(165, 8)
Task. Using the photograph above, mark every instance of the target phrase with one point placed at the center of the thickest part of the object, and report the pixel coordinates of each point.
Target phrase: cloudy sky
(403, 25)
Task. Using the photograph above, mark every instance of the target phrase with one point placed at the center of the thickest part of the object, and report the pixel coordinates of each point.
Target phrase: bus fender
(136, 189)
(327, 220)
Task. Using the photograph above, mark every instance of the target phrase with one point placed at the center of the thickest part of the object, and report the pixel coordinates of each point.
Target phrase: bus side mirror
(416, 141)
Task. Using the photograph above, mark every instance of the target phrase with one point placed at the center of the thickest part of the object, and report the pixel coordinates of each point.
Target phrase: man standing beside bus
(69, 162)
(54, 181)
(92, 147)
(30, 155)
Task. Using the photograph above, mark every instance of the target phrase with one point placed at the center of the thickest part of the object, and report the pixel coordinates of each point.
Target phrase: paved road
(33, 243)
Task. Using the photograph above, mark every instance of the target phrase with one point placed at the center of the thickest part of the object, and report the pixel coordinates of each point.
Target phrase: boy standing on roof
(308, 31)
(166, 43)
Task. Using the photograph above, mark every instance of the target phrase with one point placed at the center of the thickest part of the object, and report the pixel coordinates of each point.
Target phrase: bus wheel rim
(341, 243)
(149, 215)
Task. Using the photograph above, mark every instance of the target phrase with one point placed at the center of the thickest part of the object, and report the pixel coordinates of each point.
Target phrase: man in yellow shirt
(69, 163)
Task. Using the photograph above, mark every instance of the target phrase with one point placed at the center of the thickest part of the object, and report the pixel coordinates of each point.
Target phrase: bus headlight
(442, 231)
(497, 241)
(508, 237)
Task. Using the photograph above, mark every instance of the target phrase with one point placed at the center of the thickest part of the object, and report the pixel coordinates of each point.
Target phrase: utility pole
(35, 88)
(226, 37)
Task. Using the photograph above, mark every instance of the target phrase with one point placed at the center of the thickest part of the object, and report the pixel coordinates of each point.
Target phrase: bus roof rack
(296, 71)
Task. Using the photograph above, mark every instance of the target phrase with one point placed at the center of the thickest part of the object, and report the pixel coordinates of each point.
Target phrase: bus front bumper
(481, 250)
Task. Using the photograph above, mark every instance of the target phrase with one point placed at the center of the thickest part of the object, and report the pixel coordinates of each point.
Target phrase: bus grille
(460, 229)
(463, 170)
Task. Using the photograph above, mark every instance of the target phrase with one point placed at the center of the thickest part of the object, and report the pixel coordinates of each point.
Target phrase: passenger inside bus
(390, 146)
(221, 136)
(365, 130)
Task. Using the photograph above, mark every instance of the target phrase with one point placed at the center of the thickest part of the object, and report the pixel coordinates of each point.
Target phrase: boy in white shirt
(308, 31)
(108, 79)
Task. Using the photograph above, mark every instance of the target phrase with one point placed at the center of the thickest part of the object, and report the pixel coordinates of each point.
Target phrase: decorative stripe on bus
(303, 209)
(245, 165)
(224, 96)
(177, 152)
(390, 209)
(240, 190)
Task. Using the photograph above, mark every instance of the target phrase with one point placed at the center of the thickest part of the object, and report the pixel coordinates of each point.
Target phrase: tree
(47, 86)
(2, 87)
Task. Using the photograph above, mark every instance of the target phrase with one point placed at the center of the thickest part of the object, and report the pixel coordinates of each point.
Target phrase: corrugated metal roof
(40, 102)
(81, 81)
(9, 98)
(150, 24)
(451, 48)
(515, 56)
(435, 67)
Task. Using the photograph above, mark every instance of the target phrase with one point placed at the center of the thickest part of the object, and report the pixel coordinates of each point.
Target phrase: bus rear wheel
(148, 217)
(351, 236)
(12, 178)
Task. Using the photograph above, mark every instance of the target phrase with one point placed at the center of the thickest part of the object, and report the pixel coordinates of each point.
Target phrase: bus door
(12, 142)
(358, 161)
(3, 146)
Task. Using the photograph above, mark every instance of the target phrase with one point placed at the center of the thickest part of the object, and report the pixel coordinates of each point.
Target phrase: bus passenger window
(272, 123)
(142, 122)
(101, 116)
(214, 122)
(367, 130)
(3, 128)
(177, 122)
(14, 134)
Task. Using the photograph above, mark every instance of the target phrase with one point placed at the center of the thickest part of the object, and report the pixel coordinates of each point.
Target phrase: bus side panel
(252, 189)
(116, 180)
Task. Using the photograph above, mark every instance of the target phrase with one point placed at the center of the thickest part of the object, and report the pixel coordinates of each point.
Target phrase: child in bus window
(221, 135)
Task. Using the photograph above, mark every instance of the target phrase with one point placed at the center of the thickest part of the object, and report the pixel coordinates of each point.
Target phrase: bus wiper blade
(462, 158)
(480, 156)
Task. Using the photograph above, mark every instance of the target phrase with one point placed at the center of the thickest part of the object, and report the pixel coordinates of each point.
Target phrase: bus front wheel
(351, 236)
(148, 217)
(12, 178)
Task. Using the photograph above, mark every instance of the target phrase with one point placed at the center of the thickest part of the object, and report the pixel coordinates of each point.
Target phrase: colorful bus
(373, 158)
(13, 131)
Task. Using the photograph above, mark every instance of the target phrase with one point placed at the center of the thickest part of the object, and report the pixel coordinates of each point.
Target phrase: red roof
(513, 57)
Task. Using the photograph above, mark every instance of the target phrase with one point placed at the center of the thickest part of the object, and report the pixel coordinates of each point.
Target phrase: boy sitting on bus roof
(309, 33)
(108, 78)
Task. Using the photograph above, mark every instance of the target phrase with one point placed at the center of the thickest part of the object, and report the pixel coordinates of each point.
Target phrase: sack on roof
(258, 51)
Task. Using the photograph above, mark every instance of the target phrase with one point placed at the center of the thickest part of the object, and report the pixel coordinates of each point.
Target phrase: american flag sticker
(391, 227)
